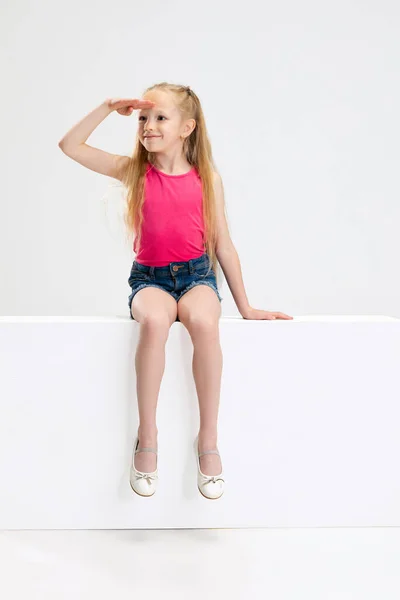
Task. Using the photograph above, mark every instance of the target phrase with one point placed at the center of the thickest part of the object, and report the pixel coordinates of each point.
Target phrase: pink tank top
(173, 225)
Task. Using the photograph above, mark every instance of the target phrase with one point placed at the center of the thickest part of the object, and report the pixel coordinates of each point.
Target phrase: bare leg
(199, 310)
(207, 371)
(156, 311)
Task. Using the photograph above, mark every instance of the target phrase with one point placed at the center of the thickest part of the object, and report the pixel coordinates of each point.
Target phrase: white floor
(323, 564)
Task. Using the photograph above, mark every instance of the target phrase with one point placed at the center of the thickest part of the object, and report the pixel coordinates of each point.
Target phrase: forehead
(163, 102)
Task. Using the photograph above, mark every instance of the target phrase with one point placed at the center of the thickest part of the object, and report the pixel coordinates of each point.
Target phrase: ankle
(210, 436)
(147, 432)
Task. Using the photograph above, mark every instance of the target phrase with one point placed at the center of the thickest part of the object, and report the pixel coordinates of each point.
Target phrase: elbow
(62, 144)
(64, 147)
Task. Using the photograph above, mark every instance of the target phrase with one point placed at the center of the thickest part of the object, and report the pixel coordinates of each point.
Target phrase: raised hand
(125, 106)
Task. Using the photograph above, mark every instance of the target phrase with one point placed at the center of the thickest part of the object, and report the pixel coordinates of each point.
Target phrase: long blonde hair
(197, 149)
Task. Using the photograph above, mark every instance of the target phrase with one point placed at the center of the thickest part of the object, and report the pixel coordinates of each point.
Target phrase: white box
(308, 425)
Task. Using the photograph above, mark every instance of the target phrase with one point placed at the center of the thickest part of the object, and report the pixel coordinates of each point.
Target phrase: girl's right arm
(73, 143)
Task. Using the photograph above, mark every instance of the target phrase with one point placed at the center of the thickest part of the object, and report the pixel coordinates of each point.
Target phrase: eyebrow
(155, 108)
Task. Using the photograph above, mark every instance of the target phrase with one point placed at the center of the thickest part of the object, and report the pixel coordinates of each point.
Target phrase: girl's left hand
(255, 314)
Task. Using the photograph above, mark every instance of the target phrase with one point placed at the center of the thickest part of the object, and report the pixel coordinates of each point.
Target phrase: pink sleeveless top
(173, 225)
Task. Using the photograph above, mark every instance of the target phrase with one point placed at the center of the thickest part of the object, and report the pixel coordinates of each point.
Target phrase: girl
(176, 208)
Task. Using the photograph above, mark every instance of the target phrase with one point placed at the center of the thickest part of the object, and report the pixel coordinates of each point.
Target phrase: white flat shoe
(210, 486)
(144, 484)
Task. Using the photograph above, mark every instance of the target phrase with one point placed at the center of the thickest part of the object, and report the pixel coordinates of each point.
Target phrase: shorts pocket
(137, 276)
(205, 273)
(204, 268)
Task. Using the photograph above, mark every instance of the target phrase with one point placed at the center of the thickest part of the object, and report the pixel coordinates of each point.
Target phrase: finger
(142, 104)
(132, 101)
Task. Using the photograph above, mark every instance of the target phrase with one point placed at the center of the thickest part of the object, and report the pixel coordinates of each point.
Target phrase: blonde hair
(197, 149)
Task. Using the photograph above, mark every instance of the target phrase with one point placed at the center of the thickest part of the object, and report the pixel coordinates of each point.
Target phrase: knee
(202, 326)
(156, 325)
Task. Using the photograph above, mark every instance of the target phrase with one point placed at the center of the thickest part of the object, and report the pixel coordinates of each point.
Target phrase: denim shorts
(177, 278)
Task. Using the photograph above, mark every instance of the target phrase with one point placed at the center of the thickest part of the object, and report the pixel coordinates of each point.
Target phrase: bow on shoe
(146, 476)
(213, 479)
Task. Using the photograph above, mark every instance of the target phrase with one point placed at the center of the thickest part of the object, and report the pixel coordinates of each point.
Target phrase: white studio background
(301, 101)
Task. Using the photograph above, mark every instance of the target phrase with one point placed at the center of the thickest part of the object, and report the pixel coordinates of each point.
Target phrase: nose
(148, 125)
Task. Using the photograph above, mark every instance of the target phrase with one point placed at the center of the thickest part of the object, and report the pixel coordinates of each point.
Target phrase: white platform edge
(230, 319)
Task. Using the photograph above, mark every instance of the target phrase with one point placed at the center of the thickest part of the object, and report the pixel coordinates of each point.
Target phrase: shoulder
(223, 235)
(218, 184)
(220, 207)
(217, 177)
(218, 188)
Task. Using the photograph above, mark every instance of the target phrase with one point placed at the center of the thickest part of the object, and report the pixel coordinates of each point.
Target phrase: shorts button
(175, 268)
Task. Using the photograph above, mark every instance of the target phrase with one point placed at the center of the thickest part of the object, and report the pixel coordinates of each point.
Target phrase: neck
(173, 165)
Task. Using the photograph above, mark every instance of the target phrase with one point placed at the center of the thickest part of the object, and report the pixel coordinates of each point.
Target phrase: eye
(142, 117)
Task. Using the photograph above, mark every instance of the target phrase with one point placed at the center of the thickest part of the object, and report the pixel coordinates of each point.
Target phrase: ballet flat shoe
(144, 484)
(209, 486)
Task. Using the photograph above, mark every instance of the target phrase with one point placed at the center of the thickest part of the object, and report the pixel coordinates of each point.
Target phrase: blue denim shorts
(177, 278)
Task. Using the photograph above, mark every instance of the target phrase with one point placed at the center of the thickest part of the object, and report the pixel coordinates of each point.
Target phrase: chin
(151, 147)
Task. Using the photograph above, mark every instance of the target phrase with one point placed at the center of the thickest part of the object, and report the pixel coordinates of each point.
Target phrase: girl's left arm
(228, 258)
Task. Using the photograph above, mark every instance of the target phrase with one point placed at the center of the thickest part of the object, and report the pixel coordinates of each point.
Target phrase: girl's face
(161, 127)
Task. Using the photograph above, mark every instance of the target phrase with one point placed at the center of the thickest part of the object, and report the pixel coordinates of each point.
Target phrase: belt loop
(191, 268)
(151, 272)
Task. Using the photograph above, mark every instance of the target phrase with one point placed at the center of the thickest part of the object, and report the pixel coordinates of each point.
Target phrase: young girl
(176, 208)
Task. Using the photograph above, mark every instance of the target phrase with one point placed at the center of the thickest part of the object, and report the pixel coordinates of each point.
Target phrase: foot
(210, 464)
(146, 462)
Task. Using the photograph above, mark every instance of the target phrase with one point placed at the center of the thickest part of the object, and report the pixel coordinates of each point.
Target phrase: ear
(190, 126)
